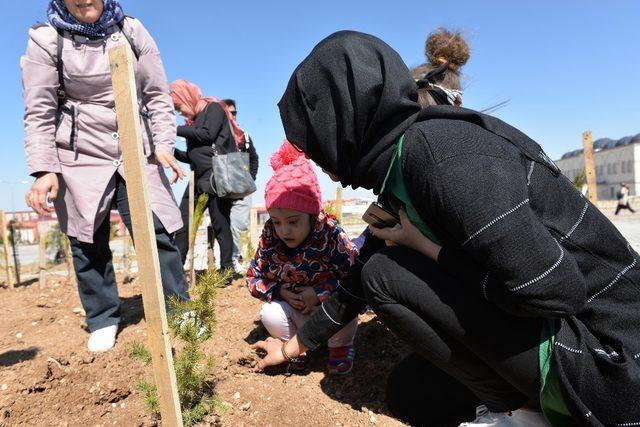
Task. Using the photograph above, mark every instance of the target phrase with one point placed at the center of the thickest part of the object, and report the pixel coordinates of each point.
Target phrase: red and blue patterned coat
(320, 261)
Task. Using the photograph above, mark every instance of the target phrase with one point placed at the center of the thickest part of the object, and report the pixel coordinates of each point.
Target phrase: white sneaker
(237, 266)
(189, 319)
(529, 418)
(103, 339)
(518, 418)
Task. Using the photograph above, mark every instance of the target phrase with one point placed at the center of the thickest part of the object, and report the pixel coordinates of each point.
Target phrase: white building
(616, 161)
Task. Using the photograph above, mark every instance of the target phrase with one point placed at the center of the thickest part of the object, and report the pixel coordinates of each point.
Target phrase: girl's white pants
(282, 321)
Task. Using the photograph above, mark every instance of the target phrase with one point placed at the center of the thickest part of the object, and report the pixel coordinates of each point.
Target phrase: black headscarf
(348, 102)
(346, 105)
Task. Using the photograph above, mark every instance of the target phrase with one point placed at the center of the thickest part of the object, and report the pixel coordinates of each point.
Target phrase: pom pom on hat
(285, 155)
(294, 184)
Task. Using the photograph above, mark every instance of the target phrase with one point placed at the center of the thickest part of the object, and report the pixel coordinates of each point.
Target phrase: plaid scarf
(60, 17)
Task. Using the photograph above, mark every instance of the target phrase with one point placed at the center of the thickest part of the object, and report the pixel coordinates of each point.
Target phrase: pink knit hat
(294, 184)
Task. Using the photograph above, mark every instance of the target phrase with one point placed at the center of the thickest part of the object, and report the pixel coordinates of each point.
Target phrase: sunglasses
(234, 113)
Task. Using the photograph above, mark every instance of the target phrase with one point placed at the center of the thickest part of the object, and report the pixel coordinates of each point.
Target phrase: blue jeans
(93, 264)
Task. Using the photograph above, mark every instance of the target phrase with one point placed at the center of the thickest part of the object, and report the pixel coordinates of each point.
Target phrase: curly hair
(444, 45)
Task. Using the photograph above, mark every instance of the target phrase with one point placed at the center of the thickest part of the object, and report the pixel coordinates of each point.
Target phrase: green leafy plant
(150, 394)
(54, 239)
(331, 208)
(580, 179)
(192, 322)
(245, 242)
(198, 214)
(138, 351)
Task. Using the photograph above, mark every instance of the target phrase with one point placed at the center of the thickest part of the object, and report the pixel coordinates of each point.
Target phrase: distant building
(616, 161)
(25, 224)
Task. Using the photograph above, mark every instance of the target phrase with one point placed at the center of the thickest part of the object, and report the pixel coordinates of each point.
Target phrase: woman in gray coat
(73, 149)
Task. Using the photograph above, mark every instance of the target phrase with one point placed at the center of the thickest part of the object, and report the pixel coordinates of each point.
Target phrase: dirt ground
(48, 378)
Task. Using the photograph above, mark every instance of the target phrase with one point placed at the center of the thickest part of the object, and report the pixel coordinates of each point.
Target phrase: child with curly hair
(439, 79)
(301, 257)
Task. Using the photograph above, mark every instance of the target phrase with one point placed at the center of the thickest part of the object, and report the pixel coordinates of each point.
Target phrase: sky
(565, 66)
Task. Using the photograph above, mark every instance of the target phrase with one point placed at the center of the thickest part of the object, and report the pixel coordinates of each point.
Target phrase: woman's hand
(309, 298)
(294, 299)
(274, 356)
(273, 347)
(42, 193)
(167, 160)
(407, 234)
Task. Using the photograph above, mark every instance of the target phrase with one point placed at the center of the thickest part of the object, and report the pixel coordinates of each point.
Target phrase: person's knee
(272, 313)
(374, 276)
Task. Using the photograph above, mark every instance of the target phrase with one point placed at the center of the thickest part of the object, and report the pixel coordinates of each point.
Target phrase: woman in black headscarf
(523, 291)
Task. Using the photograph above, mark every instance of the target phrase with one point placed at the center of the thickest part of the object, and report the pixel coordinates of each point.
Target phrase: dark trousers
(219, 212)
(627, 206)
(418, 393)
(492, 353)
(93, 265)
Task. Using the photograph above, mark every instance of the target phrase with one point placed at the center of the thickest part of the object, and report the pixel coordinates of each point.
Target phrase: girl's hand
(294, 299)
(43, 192)
(310, 299)
(407, 234)
(167, 160)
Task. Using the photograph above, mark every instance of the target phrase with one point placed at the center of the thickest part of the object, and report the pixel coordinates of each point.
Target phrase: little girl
(301, 257)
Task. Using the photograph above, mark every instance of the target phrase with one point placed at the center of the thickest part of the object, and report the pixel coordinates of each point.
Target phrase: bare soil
(48, 378)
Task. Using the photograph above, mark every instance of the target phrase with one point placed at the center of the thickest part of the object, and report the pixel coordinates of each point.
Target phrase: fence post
(5, 245)
(339, 204)
(589, 166)
(253, 226)
(16, 264)
(42, 253)
(128, 258)
(68, 257)
(192, 230)
(127, 112)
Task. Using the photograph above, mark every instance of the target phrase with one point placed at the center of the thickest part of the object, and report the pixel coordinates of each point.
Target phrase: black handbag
(231, 177)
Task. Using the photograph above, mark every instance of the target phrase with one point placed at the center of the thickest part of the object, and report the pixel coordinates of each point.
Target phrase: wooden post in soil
(71, 272)
(253, 226)
(14, 251)
(590, 167)
(126, 259)
(5, 246)
(42, 256)
(127, 112)
(192, 230)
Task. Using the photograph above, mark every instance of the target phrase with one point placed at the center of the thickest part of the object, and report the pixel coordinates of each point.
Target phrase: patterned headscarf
(185, 93)
(60, 17)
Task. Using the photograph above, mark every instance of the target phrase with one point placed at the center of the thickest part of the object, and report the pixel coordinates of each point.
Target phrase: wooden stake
(253, 226)
(191, 228)
(14, 251)
(127, 111)
(339, 204)
(126, 258)
(42, 247)
(5, 245)
(589, 166)
(71, 272)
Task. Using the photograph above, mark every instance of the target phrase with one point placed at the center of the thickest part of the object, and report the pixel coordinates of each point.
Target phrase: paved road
(28, 254)
(630, 228)
(628, 224)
